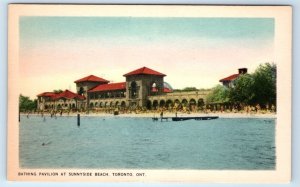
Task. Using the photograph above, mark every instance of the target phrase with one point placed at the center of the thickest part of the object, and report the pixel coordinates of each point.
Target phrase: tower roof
(144, 71)
(92, 78)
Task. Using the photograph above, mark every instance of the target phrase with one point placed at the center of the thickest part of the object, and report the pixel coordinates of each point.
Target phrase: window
(134, 90)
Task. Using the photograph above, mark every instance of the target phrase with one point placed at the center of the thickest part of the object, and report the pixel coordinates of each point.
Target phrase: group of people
(140, 110)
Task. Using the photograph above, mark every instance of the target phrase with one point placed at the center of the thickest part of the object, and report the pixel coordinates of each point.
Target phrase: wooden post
(78, 120)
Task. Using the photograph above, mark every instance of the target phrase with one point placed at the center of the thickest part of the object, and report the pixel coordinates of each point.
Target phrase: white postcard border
(283, 34)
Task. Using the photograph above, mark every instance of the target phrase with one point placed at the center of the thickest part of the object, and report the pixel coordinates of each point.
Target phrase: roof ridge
(144, 70)
(90, 78)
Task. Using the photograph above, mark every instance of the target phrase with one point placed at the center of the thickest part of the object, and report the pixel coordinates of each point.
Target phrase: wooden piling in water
(78, 120)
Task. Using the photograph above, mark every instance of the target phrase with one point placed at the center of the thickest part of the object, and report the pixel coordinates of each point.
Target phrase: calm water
(116, 142)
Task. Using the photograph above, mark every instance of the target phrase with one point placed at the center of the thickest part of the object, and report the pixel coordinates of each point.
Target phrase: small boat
(195, 118)
(154, 119)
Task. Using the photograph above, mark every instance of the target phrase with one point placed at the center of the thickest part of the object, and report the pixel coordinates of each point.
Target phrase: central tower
(87, 83)
(141, 83)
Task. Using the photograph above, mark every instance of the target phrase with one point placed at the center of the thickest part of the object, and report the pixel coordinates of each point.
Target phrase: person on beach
(258, 108)
(161, 114)
(273, 108)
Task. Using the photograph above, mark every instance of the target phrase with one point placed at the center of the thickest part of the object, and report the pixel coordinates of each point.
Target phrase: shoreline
(167, 115)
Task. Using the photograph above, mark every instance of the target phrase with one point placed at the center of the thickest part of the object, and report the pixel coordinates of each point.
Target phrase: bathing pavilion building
(142, 88)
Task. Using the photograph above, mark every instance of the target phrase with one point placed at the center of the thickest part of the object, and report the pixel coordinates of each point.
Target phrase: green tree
(265, 84)
(189, 89)
(249, 89)
(218, 94)
(257, 88)
(186, 89)
(26, 104)
(242, 91)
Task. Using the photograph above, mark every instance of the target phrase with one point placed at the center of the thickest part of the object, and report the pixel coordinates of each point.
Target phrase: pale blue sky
(146, 29)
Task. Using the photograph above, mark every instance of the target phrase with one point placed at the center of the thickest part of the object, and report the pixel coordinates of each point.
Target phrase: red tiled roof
(108, 87)
(230, 78)
(46, 94)
(144, 71)
(68, 95)
(91, 78)
(65, 94)
(167, 90)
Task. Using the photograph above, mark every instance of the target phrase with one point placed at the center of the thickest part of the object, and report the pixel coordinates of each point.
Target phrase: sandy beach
(221, 115)
(168, 114)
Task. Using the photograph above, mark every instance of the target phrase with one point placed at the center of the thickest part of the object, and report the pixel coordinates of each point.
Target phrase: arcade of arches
(107, 104)
(190, 104)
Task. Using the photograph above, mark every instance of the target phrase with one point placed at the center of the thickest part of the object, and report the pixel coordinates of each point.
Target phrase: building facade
(143, 88)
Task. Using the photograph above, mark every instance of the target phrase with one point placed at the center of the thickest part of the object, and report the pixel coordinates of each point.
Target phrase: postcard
(149, 93)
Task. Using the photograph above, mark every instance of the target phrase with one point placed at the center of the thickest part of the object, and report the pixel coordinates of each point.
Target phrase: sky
(192, 52)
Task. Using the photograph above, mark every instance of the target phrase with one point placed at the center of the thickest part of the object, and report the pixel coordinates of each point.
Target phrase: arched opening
(96, 104)
(169, 103)
(162, 103)
(184, 102)
(133, 86)
(117, 103)
(105, 104)
(70, 106)
(91, 105)
(58, 106)
(81, 91)
(155, 104)
(193, 104)
(111, 104)
(100, 104)
(73, 106)
(153, 88)
(149, 104)
(123, 104)
(201, 104)
(176, 103)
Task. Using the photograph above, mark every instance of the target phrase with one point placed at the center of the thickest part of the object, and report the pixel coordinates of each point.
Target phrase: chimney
(243, 70)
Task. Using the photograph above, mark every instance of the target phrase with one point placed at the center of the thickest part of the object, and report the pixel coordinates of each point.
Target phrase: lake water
(118, 142)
